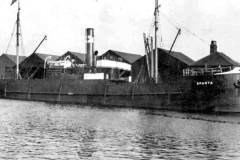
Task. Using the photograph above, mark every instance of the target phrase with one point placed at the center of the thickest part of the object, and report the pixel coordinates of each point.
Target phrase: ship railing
(205, 71)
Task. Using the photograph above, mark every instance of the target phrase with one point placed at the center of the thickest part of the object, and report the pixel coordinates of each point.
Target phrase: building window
(111, 58)
(120, 59)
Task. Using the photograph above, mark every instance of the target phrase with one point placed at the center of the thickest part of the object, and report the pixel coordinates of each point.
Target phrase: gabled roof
(129, 57)
(41, 56)
(178, 55)
(215, 59)
(13, 58)
(44, 56)
(81, 56)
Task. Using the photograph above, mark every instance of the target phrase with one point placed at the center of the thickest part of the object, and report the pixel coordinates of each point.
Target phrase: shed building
(213, 63)
(7, 63)
(70, 65)
(117, 64)
(118, 56)
(75, 57)
(170, 67)
(215, 60)
(33, 65)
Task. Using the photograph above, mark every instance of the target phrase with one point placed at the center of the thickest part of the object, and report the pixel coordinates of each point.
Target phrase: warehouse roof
(215, 59)
(129, 57)
(13, 58)
(178, 55)
(31, 59)
(81, 56)
(44, 56)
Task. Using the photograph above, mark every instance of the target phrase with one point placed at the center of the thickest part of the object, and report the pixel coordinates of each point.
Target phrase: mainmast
(17, 41)
(156, 14)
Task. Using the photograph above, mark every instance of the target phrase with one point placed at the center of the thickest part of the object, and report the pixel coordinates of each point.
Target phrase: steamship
(162, 79)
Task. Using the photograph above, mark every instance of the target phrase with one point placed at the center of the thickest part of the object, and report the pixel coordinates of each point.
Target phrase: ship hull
(215, 93)
(92, 92)
(191, 97)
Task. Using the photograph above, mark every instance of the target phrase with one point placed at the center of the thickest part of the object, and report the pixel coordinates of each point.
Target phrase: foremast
(17, 41)
(151, 49)
(156, 15)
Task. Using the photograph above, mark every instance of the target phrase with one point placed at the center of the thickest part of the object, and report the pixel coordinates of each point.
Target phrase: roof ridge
(124, 52)
(13, 55)
(227, 57)
(179, 55)
(75, 52)
(226, 60)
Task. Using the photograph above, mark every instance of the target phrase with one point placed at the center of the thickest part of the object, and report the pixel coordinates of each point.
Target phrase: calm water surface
(34, 130)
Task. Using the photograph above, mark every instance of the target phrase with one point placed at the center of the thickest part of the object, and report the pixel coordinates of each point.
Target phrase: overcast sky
(119, 25)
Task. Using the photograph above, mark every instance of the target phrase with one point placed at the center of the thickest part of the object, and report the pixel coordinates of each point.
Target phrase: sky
(119, 25)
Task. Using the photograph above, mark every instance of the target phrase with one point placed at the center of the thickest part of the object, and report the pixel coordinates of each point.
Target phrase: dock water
(38, 130)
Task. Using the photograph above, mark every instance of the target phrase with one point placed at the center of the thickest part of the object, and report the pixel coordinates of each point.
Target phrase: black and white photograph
(119, 80)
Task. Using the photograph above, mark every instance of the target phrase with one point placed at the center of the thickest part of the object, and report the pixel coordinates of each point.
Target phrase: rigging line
(160, 33)
(22, 46)
(195, 35)
(169, 20)
(150, 30)
(13, 33)
(161, 44)
(160, 37)
(184, 28)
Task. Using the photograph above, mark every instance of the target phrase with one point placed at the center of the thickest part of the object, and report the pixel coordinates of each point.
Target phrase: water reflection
(30, 130)
(87, 148)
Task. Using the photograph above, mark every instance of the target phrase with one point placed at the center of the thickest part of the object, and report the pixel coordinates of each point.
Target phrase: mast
(156, 14)
(152, 58)
(17, 41)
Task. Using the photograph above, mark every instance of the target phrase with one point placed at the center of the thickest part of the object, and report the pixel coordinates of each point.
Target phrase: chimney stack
(89, 47)
(213, 47)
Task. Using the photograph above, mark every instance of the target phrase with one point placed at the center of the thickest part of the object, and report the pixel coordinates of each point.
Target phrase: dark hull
(216, 93)
(178, 97)
(91, 93)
